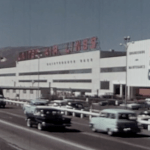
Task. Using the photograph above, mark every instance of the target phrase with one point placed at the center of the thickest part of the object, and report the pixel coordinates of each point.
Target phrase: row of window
(33, 81)
(79, 80)
(76, 71)
(67, 62)
(8, 74)
(113, 69)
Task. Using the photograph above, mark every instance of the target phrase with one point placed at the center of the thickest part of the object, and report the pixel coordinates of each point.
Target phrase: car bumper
(127, 130)
(45, 124)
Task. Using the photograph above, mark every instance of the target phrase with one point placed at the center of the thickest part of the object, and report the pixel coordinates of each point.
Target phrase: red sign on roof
(61, 49)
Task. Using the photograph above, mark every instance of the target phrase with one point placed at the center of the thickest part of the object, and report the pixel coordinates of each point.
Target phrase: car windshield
(39, 104)
(127, 116)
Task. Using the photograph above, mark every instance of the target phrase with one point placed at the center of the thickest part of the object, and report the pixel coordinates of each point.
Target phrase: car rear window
(127, 116)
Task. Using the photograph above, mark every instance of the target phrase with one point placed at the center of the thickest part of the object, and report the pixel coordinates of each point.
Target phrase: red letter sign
(78, 45)
(93, 42)
(85, 44)
(46, 52)
(55, 50)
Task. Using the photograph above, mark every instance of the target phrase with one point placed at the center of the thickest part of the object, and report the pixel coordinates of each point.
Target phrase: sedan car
(115, 121)
(133, 106)
(45, 116)
(2, 101)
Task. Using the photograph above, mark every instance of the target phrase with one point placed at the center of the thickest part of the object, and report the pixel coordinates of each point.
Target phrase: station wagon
(115, 121)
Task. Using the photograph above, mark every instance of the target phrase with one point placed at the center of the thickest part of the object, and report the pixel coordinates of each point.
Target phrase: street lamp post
(126, 40)
(38, 56)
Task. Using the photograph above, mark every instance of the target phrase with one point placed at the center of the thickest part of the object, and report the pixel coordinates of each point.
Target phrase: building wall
(139, 63)
(115, 76)
(73, 72)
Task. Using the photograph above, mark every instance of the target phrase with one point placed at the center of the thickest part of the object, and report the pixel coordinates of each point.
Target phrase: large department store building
(78, 67)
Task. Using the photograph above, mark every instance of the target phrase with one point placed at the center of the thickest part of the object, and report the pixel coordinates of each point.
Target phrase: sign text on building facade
(61, 49)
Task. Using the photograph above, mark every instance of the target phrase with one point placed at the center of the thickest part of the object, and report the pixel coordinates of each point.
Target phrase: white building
(76, 67)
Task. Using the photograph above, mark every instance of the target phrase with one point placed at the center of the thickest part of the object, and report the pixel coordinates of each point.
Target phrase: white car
(131, 106)
(144, 116)
(30, 106)
(115, 121)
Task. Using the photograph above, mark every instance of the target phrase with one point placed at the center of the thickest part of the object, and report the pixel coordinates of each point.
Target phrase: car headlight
(42, 115)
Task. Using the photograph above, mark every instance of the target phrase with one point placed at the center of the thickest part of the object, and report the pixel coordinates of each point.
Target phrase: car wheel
(93, 129)
(24, 112)
(109, 132)
(39, 126)
(29, 123)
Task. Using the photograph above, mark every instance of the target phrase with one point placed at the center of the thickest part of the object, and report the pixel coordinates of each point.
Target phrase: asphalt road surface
(14, 135)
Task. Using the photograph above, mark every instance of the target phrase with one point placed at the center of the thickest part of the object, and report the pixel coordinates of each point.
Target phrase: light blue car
(115, 121)
(30, 107)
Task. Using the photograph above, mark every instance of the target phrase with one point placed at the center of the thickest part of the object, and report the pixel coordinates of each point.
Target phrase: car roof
(59, 101)
(117, 111)
(39, 101)
(46, 107)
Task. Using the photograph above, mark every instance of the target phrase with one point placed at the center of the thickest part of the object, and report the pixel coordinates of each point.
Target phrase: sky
(50, 22)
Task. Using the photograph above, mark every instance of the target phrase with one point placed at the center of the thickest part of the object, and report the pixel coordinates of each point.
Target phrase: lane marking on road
(16, 147)
(12, 114)
(77, 145)
(80, 124)
(117, 140)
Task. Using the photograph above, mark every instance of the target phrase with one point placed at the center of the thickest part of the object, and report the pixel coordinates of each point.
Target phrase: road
(15, 135)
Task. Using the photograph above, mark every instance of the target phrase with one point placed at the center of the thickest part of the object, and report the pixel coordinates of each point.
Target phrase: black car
(2, 101)
(77, 105)
(44, 117)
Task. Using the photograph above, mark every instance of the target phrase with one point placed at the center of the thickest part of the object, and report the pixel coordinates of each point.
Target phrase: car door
(102, 121)
(111, 122)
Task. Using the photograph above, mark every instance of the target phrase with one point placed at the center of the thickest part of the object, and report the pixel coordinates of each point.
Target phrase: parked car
(133, 106)
(2, 101)
(78, 105)
(110, 102)
(115, 121)
(44, 117)
(58, 103)
(30, 106)
(144, 116)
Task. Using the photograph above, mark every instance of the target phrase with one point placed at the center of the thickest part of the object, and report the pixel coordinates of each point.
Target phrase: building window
(24, 91)
(14, 91)
(91, 59)
(7, 91)
(74, 61)
(113, 69)
(31, 91)
(104, 85)
(80, 60)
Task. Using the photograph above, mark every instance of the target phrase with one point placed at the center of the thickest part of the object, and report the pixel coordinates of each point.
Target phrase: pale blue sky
(49, 22)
